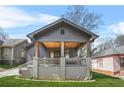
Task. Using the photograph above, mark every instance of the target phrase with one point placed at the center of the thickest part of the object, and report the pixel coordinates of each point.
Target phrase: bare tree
(119, 40)
(82, 16)
(3, 35)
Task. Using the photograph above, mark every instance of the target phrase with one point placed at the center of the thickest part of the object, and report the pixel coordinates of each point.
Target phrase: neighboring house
(12, 51)
(60, 50)
(110, 61)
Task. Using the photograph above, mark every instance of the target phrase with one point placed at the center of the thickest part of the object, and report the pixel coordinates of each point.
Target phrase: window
(100, 62)
(22, 54)
(62, 32)
(122, 62)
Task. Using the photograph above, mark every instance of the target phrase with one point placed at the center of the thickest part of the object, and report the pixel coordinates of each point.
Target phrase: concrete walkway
(121, 77)
(2, 69)
(9, 72)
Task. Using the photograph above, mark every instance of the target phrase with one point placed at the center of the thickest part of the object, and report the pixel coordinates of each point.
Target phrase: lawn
(101, 81)
(7, 66)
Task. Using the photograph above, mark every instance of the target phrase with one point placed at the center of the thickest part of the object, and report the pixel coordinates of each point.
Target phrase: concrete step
(23, 68)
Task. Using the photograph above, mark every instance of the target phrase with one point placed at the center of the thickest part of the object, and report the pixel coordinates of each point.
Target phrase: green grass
(8, 66)
(101, 81)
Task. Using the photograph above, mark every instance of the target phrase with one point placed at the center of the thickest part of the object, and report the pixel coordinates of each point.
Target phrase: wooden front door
(57, 54)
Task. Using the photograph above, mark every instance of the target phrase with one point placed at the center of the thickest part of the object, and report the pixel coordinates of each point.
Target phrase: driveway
(9, 72)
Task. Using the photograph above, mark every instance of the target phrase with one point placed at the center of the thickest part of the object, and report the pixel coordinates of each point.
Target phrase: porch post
(62, 62)
(12, 51)
(36, 49)
(62, 49)
(36, 61)
(88, 49)
(88, 60)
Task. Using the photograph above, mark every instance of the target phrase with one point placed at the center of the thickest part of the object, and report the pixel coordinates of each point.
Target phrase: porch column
(89, 61)
(62, 49)
(36, 49)
(62, 62)
(88, 49)
(12, 56)
(36, 61)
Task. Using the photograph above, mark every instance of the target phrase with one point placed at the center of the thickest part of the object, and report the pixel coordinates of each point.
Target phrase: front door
(57, 54)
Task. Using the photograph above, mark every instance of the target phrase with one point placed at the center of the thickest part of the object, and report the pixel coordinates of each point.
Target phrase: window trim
(62, 31)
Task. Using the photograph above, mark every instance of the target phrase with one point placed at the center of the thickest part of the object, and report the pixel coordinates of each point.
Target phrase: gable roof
(110, 51)
(59, 21)
(12, 42)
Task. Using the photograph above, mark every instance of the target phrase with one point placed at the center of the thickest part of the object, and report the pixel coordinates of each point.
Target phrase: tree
(3, 35)
(82, 16)
(119, 40)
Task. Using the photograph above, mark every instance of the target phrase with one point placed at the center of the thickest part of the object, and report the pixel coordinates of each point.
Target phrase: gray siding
(43, 52)
(30, 53)
(19, 51)
(6, 53)
(71, 34)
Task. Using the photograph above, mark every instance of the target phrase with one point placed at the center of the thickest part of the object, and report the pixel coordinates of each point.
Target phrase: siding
(107, 64)
(116, 63)
(6, 53)
(18, 50)
(70, 34)
(30, 53)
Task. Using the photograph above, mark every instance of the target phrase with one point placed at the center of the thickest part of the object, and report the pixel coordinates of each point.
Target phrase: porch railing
(75, 61)
(68, 61)
(55, 61)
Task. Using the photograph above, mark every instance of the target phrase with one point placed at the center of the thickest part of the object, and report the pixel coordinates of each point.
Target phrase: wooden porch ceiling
(58, 44)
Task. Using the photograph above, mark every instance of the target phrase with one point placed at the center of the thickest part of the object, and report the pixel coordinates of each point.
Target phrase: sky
(18, 21)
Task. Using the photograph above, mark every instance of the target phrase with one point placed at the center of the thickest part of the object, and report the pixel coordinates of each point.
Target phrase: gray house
(12, 51)
(60, 50)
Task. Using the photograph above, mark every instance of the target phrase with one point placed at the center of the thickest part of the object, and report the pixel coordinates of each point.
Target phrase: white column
(88, 60)
(62, 49)
(36, 61)
(35, 67)
(12, 56)
(89, 67)
(88, 49)
(62, 62)
(62, 68)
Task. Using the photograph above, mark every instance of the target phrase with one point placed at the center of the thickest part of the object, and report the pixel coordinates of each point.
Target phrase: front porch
(63, 60)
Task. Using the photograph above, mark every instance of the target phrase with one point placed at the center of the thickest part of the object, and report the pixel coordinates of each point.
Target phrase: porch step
(30, 66)
(23, 68)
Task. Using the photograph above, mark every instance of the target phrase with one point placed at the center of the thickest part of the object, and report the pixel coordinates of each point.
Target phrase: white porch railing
(55, 61)
(75, 61)
(25, 64)
(68, 61)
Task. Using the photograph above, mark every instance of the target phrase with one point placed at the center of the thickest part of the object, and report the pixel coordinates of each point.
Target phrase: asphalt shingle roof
(12, 42)
(116, 50)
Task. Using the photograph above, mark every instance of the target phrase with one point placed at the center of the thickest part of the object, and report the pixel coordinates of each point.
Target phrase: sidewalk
(2, 69)
(121, 77)
(9, 72)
